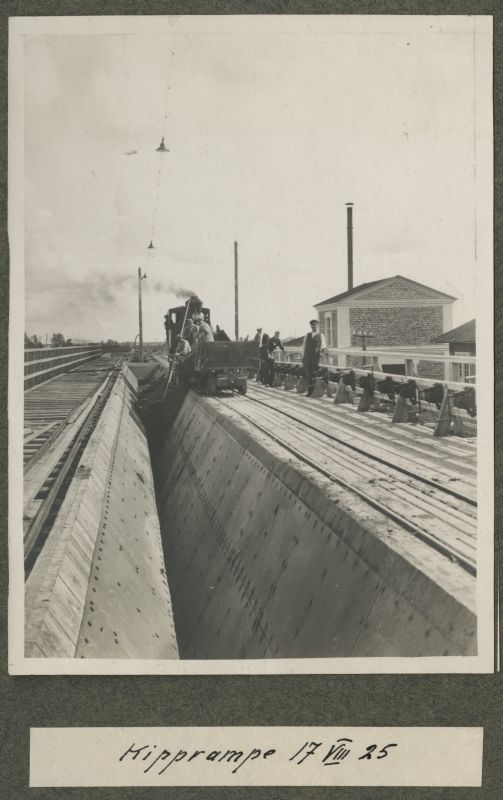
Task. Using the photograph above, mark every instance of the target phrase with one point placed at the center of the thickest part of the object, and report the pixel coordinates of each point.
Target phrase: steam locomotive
(209, 366)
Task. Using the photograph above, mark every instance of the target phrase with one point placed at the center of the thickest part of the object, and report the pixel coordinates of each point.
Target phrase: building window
(464, 373)
(328, 329)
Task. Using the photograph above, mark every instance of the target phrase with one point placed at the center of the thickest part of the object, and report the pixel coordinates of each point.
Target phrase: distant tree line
(57, 340)
(32, 341)
(113, 346)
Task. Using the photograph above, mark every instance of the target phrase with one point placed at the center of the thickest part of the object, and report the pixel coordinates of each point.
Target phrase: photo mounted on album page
(251, 344)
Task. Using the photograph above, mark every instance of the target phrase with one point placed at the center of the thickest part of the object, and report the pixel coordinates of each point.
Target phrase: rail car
(210, 366)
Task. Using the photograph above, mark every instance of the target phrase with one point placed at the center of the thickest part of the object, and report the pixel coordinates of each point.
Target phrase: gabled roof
(463, 334)
(364, 286)
(352, 291)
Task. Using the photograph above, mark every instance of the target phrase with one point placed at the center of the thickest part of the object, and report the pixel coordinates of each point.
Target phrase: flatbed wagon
(221, 365)
(211, 365)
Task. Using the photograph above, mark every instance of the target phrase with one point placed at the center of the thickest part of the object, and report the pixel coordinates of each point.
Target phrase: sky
(272, 126)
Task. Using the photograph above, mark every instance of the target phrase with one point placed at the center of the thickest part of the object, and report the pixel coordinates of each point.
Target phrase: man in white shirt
(314, 346)
(262, 340)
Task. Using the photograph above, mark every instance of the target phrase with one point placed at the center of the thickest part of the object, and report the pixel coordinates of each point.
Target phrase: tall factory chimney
(349, 209)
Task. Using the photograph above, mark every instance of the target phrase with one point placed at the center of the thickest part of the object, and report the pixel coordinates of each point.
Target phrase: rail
(441, 517)
(55, 485)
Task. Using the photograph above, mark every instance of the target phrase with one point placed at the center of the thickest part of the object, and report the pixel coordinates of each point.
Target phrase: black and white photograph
(251, 344)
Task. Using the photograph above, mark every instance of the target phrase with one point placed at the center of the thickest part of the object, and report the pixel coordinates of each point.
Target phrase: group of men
(313, 347)
(266, 347)
(196, 331)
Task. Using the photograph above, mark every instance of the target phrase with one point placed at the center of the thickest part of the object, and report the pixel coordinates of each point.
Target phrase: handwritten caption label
(151, 757)
(265, 756)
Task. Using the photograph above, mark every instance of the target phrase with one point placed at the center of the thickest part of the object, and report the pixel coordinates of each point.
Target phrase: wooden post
(443, 426)
(401, 412)
(319, 388)
(343, 393)
(290, 382)
(366, 401)
(459, 428)
(331, 388)
(301, 384)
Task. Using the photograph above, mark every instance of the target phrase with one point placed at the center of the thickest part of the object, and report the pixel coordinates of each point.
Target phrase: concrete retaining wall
(142, 371)
(98, 588)
(265, 559)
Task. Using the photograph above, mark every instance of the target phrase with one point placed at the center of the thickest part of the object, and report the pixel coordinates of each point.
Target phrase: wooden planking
(451, 457)
(446, 519)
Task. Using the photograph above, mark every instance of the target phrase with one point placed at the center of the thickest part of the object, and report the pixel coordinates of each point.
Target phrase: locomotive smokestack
(194, 304)
(349, 210)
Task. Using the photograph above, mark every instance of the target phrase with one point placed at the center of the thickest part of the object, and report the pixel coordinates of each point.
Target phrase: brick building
(396, 312)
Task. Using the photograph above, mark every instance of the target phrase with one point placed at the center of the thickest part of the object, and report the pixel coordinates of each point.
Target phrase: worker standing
(275, 343)
(262, 340)
(314, 346)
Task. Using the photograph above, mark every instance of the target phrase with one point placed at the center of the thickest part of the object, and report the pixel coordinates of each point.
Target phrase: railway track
(50, 468)
(369, 435)
(50, 406)
(422, 500)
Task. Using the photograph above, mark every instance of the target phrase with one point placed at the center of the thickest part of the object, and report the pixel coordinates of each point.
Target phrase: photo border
(253, 700)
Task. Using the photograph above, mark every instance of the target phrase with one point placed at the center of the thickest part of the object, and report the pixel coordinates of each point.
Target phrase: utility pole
(236, 299)
(140, 279)
(364, 336)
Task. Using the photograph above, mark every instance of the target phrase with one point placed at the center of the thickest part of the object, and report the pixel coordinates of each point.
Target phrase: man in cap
(314, 346)
(205, 331)
(262, 340)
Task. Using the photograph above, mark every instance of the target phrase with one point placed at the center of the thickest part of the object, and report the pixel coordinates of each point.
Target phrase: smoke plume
(172, 288)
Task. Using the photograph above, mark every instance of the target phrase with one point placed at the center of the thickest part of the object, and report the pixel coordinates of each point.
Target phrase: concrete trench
(219, 545)
(98, 588)
(265, 559)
